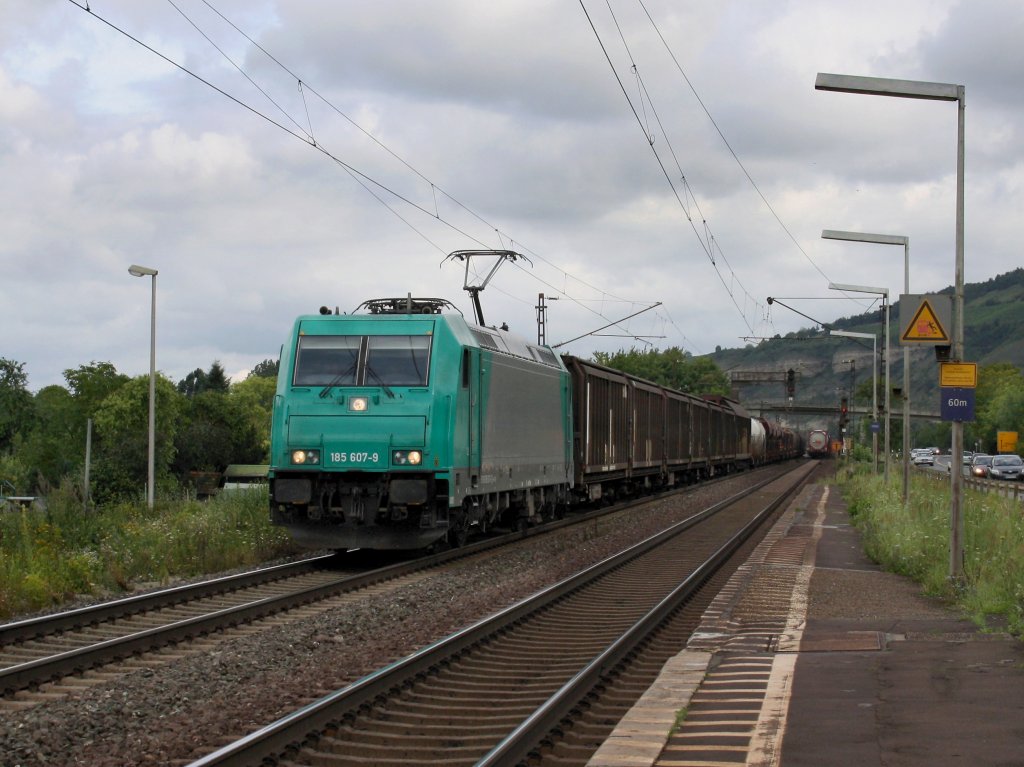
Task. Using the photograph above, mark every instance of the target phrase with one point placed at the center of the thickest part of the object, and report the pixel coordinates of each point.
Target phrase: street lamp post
(891, 239)
(852, 362)
(144, 271)
(884, 293)
(916, 89)
(874, 385)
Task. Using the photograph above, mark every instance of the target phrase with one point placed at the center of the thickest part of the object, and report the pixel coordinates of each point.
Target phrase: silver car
(923, 457)
(1006, 467)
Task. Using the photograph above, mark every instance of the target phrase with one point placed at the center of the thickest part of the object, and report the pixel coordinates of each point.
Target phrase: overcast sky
(421, 128)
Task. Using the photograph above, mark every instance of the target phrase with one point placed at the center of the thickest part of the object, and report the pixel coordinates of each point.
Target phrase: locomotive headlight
(358, 404)
(407, 457)
(306, 456)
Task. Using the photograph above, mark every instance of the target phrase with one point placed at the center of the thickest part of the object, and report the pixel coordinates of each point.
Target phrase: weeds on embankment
(50, 556)
(914, 541)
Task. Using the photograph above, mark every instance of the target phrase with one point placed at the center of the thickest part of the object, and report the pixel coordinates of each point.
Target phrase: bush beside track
(49, 557)
(915, 542)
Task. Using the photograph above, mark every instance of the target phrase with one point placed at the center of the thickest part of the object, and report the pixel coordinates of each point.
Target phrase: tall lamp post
(145, 271)
(884, 293)
(874, 386)
(891, 239)
(916, 89)
(852, 361)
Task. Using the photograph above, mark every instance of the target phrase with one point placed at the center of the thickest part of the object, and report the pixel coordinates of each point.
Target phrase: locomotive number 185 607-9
(355, 457)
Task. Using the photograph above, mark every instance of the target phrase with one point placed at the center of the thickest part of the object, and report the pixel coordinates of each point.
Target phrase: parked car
(980, 464)
(1006, 467)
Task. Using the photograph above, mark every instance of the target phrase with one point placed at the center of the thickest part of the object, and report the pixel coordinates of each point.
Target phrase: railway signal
(844, 414)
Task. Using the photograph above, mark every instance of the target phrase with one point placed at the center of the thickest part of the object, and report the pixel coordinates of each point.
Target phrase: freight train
(403, 425)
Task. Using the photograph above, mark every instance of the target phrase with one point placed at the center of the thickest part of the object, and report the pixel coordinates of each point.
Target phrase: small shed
(241, 476)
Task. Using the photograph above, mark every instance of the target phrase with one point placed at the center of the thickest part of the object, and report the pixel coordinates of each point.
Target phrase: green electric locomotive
(393, 428)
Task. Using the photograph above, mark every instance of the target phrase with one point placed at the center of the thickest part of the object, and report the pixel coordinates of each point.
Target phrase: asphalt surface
(813, 656)
(939, 691)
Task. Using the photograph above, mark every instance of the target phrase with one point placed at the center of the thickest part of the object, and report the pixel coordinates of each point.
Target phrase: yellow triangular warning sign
(925, 326)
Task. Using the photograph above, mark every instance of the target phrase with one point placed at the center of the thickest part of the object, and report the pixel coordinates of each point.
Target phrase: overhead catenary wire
(706, 240)
(725, 141)
(435, 188)
(376, 188)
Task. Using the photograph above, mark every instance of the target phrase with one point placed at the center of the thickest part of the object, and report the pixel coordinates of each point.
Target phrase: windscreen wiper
(336, 380)
(373, 374)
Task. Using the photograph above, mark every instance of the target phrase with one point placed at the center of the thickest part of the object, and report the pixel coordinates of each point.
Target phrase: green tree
(122, 425)
(934, 434)
(91, 384)
(216, 430)
(15, 402)
(54, 447)
(997, 404)
(14, 474)
(51, 449)
(673, 368)
(266, 369)
(216, 379)
(255, 396)
(199, 381)
(703, 376)
(192, 384)
(1006, 412)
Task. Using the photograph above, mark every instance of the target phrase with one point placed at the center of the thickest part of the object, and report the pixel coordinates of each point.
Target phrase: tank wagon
(402, 425)
(774, 442)
(819, 444)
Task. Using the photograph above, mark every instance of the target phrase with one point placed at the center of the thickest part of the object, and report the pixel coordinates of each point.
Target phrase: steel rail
(54, 623)
(43, 625)
(303, 725)
(518, 745)
(49, 668)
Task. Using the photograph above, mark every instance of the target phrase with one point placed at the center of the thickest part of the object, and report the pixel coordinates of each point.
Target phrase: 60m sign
(957, 404)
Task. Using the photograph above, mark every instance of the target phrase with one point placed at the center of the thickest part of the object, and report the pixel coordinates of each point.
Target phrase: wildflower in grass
(915, 542)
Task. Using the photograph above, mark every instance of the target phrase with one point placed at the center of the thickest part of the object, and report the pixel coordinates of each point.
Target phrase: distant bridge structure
(737, 377)
(831, 410)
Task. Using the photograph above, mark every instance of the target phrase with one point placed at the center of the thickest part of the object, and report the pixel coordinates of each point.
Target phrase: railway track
(40, 650)
(544, 679)
(61, 652)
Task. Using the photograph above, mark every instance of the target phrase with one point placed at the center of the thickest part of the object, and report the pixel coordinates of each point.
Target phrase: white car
(922, 457)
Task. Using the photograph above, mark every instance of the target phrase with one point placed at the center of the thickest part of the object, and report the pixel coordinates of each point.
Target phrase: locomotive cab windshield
(331, 360)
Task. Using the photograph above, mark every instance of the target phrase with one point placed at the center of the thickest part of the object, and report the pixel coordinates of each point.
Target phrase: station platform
(814, 656)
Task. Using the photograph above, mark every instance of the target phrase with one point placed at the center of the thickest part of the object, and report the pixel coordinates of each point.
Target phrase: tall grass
(914, 541)
(50, 556)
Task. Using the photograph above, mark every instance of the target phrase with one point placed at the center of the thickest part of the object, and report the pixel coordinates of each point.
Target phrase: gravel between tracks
(175, 713)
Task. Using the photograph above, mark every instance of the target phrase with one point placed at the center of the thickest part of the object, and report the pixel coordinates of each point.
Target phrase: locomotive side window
(397, 360)
(327, 360)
